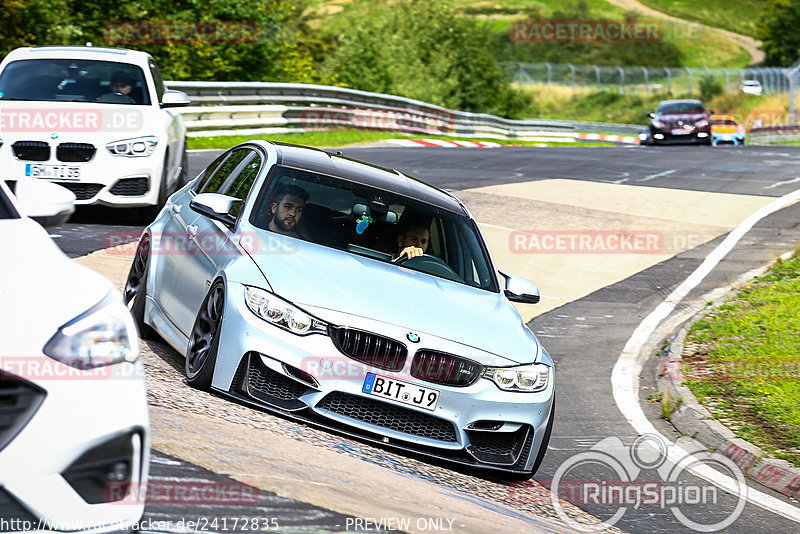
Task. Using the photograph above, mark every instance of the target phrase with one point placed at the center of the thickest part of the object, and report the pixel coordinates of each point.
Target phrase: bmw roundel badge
(412, 337)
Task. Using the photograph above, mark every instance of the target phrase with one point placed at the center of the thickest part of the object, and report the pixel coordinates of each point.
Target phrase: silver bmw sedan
(351, 296)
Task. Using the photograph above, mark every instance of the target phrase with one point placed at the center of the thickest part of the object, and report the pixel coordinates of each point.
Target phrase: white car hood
(315, 276)
(40, 288)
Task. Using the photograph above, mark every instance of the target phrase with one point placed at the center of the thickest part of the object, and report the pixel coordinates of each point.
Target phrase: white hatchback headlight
(528, 378)
(103, 335)
(279, 312)
(133, 148)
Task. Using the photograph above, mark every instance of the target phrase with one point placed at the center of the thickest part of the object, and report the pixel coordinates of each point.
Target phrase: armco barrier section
(224, 108)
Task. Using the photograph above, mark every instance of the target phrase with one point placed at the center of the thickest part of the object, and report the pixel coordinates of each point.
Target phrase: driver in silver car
(413, 241)
(286, 210)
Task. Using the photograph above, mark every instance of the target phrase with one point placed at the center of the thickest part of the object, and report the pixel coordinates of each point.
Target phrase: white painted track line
(625, 376)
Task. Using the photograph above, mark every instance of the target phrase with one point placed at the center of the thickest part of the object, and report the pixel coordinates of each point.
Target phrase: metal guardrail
(262, 107)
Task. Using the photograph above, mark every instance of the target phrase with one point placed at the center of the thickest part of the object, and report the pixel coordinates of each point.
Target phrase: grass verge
(744, 364)
(738, 16)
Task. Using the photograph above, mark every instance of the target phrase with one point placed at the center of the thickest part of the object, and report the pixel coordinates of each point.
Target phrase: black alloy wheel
(201, 353)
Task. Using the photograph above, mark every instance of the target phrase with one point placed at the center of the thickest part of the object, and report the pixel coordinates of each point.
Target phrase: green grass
(739, 16)
(682, 45)
(746, 362)
(341, 138)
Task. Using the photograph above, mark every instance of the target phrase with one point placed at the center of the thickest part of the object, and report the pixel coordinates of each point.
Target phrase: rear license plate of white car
(400, 391)
(62, 172)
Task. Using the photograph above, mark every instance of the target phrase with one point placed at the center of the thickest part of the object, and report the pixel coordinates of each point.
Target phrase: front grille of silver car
(11, 510)
(31, 150)
(445, 369)
(19, 400)
(371, 349)
(82, 191)
(498, 448)
(131, 187)
(75, 152)
(389, 416)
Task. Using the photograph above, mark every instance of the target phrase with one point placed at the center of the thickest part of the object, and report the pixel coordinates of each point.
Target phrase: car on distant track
(98, 121)
(751, 87)
(680, 121)
(726, 130)
(74, 429)
(313, 311)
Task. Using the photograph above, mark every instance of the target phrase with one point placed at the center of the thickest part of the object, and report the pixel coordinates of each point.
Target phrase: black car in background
(680, 121)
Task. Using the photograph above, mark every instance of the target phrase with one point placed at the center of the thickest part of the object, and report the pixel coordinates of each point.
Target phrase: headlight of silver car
(137, 147)
(103, 335)
(528, 378)
(281, 313)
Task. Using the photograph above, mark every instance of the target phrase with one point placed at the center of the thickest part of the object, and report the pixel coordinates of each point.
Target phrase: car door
(211, 238)
(173, 244)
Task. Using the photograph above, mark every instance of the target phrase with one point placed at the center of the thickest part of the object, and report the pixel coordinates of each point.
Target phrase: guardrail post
(621, 80)
(572, 68)
(669, 79)
(597, 73)
(690, 79)
(646, 80)
(549, 74)
(727, 79)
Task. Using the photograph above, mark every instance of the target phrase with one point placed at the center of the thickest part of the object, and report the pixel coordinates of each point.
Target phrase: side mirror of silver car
(215, 206)
(520, 290)
(47, 203)
(173, 99)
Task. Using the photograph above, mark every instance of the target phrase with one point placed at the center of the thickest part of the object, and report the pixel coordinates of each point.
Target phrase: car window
(367, 221)
(157, 79)
(673, 108)
(241, 184)
(208, 172)
(219, 179)
(723, 122)
(70, 80)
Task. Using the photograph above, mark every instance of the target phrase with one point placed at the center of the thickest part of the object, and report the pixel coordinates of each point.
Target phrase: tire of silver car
(201, 353)
(136, 287)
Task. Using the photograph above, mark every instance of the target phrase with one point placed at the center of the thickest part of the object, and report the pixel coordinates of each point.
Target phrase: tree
(423, 50)
(778, 32)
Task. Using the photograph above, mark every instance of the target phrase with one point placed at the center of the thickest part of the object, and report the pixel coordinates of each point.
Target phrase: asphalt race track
(691, 195)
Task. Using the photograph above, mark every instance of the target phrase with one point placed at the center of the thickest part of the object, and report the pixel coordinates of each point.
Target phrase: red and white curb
(628, 140)
(612, 138)
(442, 143)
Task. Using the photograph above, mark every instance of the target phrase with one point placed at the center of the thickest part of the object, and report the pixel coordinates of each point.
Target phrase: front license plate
(400, 391)
(680, 132)
(62, 172)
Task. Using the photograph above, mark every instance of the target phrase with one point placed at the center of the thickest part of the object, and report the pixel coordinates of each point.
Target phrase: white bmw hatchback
(97, 121)
(74, 430)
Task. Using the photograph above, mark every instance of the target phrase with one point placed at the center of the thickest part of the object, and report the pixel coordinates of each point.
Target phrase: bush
(423, 50)
(709, 87)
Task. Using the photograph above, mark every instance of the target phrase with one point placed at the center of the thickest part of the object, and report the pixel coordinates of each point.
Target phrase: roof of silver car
(316, 160)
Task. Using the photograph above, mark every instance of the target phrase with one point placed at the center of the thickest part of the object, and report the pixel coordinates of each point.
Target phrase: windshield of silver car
(372, 222)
